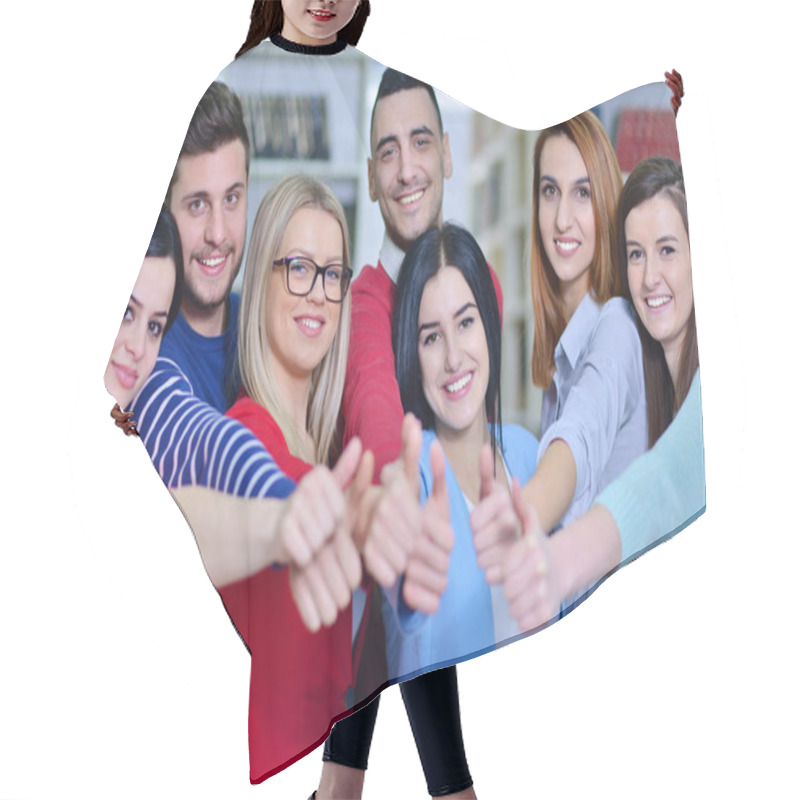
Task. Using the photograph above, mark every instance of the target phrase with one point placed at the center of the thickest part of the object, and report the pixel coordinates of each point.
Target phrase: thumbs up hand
(494, 524)
(530, 578)
(395, 516)
(429, 562)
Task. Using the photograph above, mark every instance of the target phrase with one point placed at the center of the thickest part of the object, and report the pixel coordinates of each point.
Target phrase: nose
(134, 342)
(407, 166)
(317, 293)
(651, 275)
(563, 214)
(215, 233)
(453, 354)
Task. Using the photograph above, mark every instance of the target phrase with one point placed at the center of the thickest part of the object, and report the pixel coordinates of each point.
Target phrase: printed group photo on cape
(419, 381)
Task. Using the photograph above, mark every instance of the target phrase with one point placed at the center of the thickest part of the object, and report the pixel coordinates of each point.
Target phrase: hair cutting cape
(311, 114)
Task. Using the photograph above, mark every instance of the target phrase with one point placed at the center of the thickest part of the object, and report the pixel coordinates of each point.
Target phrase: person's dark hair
(166, 243)
(217, 120)
(266, 19)
(392, 82)
(652, 177)
(450, 246)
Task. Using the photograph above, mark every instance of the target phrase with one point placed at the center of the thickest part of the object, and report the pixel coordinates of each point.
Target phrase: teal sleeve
(664, 490)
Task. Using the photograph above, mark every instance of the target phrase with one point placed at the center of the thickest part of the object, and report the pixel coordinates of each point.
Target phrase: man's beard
(201, 303)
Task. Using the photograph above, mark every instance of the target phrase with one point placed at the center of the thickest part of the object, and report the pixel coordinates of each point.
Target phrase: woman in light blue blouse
(586, 351)
(446, 337)
(664, 490)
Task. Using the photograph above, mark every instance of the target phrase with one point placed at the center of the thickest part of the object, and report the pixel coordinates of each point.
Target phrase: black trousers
(432, 706)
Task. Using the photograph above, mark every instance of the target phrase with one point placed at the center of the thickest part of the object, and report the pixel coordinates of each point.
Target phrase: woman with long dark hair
(447, 343)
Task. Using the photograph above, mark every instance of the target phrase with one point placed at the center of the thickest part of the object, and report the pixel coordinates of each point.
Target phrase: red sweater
(298, 680)
(371, 405)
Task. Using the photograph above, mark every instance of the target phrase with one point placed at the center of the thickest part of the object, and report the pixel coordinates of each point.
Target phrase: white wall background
(120, 675)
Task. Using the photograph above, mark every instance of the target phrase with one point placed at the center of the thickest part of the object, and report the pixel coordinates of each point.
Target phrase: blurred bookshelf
(300, 115)
(501, 178)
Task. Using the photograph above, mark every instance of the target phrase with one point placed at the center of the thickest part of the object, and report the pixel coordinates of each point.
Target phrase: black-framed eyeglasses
(302, 274)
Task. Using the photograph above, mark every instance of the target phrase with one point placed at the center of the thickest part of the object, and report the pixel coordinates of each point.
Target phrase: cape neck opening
(307, 49)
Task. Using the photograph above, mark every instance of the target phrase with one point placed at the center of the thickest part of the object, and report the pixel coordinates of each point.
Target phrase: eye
(155, 328)
(128, 315)
(232, 199)
(333, 275)
(430, 338)
(387, 153)
(197, 207)
(299, 267)
(421, 142)
(548, 190)
(667, 250)
(635, 254)
(584, 193)
(466, 322)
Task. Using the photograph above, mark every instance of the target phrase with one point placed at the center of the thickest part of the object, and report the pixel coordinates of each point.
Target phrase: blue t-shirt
(208, 362)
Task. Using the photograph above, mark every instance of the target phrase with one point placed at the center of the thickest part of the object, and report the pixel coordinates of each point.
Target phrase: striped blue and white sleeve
(193, 444)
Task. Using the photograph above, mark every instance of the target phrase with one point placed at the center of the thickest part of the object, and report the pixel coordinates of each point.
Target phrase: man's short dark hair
(392, 82)
(217, 120)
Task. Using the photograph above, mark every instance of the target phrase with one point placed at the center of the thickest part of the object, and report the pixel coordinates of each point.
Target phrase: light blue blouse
(596, 401)
(463, 626)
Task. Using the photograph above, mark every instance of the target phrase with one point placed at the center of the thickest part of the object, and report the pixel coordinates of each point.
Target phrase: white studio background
(120, 675)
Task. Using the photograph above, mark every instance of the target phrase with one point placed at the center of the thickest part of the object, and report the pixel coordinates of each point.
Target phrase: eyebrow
(422, 129)
(551, 179)
(393, 137)
(202, 194)
(428, 325)
(667, 238)
(139, 304)
(298, 252)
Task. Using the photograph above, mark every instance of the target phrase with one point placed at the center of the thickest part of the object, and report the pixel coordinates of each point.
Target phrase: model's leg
(345, 756)
(433, 711)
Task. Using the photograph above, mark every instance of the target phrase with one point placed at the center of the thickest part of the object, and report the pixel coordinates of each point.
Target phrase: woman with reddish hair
(586, 352)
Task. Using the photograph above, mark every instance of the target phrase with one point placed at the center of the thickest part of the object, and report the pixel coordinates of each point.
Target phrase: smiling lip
(658, 302)
(212, 265)
(458, 386)
(410, 199)
(310, 326)
(125, 375)
(322, 16)
(567, 247)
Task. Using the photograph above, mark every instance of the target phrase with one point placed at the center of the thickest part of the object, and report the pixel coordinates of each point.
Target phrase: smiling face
(660, 273)
(315, 22)
(566, 218)
(453, 355)
(209, 203)
(300, 330)
(410, 160)
(139, 338)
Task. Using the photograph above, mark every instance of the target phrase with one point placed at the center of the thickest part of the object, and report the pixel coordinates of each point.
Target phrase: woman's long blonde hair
(327, 380)
(587, 133)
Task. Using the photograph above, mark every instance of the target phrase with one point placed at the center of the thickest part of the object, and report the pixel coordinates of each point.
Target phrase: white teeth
(657, 302)
(411, 198)
(452, 388)
(313, 324)
(211, 262)
(566, 245)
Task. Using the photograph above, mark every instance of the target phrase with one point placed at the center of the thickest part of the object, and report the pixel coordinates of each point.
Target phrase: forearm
(552, 487)
(236, 536)
(191, 443)
(585, 550)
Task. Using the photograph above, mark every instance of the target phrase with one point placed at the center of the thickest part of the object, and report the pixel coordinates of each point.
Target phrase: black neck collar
(307, 49)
